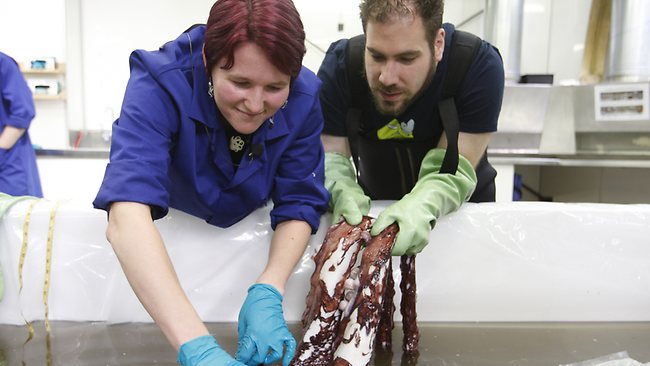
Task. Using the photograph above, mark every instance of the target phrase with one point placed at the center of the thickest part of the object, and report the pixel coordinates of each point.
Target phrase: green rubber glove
(433, 196)
(346, 196)
(6, 201)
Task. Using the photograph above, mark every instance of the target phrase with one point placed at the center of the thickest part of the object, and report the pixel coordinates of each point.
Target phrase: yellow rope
(48, 264)
(21, 262)
(23, 249)
(48, 272)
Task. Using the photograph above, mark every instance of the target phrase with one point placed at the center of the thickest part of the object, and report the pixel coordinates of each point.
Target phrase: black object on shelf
(536, 79)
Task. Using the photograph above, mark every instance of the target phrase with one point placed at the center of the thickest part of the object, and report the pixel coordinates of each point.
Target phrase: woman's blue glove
(263, 333)
(204, 350)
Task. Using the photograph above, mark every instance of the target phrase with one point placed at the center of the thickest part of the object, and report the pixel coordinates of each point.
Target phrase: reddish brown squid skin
(358, 337)
(322, 315)
(407, 305)
(331, 339)
(384, 340)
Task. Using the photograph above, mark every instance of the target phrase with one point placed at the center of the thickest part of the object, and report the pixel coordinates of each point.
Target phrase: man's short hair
(382, 10)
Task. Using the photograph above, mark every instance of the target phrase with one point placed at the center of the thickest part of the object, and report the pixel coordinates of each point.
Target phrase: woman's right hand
(205, 350)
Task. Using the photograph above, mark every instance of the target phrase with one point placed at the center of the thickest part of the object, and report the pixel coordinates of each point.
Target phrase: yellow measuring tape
(21, 262)
(48, 269)
(48, 264)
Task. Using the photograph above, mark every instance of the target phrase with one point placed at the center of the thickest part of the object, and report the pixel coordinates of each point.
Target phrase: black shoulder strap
(464, 47)
(358, 88)
(354, 60)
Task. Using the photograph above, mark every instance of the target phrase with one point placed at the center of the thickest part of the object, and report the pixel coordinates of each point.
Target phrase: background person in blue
(18, 170)
(411, 140)
(216, 123)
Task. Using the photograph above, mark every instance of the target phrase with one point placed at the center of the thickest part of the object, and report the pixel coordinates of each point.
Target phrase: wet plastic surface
(489, 262)
(489, 344)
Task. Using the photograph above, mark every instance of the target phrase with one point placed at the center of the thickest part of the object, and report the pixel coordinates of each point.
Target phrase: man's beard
(396, 109)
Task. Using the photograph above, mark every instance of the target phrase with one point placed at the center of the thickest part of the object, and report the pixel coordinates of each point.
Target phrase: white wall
(467, 13)
(31, 29)
(67, 178)
(111, 30)
(321, 26)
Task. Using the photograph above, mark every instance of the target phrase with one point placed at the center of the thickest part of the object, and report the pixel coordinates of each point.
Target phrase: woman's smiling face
(251, 91)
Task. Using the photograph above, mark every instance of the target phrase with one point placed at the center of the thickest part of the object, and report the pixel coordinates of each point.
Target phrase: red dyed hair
(273, 25)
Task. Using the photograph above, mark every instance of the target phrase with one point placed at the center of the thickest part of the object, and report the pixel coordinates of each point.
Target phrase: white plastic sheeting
(514, 261)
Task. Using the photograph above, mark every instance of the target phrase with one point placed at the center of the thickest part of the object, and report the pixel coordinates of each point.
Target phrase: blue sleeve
(141, 144)
(299, 192)
(17, 98)
(335, 92)
(481, 93)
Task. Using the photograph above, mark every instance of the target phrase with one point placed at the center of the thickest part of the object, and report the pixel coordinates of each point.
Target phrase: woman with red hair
(216, 123)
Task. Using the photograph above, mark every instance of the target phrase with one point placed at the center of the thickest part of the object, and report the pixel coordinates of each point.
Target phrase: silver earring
(285, 104)
(210, 89)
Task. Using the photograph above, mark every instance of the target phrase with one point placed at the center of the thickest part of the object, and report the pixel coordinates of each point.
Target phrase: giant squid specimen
(338, 334)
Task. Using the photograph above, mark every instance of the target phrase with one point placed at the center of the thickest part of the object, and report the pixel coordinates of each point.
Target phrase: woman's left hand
(263, 333)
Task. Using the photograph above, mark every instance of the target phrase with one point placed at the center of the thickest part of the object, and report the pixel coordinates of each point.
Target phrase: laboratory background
(556, 272)
(553, 142)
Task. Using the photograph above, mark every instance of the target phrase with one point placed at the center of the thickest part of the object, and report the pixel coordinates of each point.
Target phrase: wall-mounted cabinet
(46, 83)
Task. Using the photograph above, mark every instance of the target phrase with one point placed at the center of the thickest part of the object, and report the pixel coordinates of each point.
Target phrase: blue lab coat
(18, 170)
(169, 147)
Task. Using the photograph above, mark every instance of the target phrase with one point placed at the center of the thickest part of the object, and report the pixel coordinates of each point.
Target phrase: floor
(537, 344)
